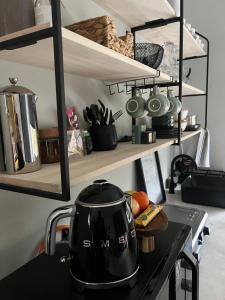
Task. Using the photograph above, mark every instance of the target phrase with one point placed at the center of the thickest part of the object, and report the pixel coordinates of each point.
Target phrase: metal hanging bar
(60, 98)
(195, 57)
(207, 78)
(27, 39)
(181, 54)
(155, 24)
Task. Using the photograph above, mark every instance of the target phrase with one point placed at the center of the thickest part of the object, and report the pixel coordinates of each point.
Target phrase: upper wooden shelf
(81, 56)
(84, 57)
(88, 167)
(138, 12)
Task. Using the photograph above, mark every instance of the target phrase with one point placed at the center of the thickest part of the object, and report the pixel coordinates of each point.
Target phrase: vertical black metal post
(60, 98)
(207, 86)
(172, 285)
(133, 119)
(207, 78)
(181, 52)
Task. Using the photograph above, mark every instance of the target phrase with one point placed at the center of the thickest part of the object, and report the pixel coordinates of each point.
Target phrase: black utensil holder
(104, 138)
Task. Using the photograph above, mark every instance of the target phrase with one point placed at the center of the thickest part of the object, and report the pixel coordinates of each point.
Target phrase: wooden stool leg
(147, 244)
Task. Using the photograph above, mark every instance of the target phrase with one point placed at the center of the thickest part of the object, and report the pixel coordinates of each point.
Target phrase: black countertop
(45, 278)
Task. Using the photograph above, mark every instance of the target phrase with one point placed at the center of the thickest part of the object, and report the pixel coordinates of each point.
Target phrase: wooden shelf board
(87, 167)
(83, 57)
(189, 134)
(135, 13)
(188, 90)
(170, 33)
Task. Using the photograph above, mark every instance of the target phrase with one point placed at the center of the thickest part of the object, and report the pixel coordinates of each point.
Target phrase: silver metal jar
(19, 129)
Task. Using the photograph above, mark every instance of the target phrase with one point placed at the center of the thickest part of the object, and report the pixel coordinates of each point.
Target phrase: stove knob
(206, 230)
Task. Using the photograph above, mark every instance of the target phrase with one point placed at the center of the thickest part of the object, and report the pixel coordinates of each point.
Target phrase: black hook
(110, 91)
(118, 89)
(128, 92)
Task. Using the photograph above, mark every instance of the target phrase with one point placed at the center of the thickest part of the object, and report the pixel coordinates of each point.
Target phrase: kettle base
(81, 286)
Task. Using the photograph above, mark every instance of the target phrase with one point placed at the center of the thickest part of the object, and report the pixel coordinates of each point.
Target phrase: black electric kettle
(103, 251)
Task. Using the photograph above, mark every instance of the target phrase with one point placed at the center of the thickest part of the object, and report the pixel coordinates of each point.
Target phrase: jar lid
(48, 133)
(15, 89)
(101, 193)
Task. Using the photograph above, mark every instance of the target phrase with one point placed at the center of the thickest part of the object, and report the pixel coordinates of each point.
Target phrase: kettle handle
(53, 219)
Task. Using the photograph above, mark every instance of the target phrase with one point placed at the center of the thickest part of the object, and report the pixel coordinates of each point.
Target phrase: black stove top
(45, 278)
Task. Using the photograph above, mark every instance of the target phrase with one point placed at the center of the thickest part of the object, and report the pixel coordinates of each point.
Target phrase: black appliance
(103, 250)
(161, 276)
(205, 187)
(150, 180)
(181, 167)
(164, 127)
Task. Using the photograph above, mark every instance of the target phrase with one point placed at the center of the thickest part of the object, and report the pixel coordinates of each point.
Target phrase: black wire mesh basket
(149, 54)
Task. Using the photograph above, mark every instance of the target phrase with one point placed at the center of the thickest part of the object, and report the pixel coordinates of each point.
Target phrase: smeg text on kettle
(122, 240)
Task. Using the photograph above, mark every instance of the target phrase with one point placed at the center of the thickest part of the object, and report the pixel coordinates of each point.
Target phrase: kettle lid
(101, 192)
(15, 89)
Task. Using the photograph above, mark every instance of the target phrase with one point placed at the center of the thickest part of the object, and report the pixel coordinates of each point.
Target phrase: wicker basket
(102, 30)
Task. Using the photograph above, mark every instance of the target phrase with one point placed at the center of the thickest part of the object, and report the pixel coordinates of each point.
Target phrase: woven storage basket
(102, 30)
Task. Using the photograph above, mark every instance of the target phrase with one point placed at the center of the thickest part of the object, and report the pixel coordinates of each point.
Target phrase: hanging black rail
(145, 85)
(160, 23)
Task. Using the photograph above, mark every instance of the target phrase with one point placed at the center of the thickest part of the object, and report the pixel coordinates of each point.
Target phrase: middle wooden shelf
(86, 58)
(88, 167)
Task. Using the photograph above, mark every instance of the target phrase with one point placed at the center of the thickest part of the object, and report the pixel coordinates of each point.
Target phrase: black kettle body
(102, 240)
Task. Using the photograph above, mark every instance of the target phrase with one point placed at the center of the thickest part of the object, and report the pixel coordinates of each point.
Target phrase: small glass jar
(49, 145)
(43, 12)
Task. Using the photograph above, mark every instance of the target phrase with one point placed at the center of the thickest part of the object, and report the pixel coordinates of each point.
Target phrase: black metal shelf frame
(134, 83)
(54, 32)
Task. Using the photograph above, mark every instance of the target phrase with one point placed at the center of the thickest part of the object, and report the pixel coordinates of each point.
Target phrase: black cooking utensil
(111, 120)
(101, 116)
(85, 115)
(117, 115)
(102, 105)
(95, 114)
(91, 116)
(106, 116)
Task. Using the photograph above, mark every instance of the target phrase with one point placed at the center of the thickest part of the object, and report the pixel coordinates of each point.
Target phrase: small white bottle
(43, 12)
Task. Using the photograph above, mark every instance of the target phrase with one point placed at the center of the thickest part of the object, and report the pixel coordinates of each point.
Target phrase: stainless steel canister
(19, 129)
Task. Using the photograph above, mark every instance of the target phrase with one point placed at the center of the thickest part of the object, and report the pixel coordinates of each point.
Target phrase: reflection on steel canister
(19, 129)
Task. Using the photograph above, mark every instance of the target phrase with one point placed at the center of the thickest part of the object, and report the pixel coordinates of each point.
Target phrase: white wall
(23, 218)
(208, 17)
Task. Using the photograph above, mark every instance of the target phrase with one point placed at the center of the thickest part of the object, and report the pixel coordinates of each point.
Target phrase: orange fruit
(142, 199)
(135, 207)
